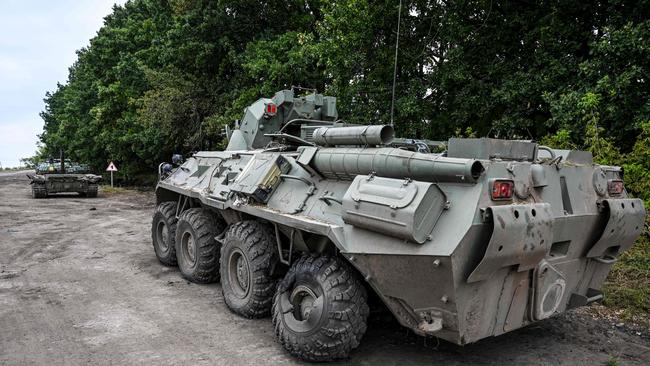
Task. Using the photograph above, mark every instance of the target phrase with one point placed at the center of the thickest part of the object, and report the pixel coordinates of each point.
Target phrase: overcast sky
(38, 40)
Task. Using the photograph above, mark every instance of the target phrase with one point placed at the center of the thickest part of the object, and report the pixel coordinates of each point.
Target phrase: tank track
(91, 191)
(39, 191)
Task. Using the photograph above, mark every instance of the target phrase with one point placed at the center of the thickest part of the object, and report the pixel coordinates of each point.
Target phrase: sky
(38, 40)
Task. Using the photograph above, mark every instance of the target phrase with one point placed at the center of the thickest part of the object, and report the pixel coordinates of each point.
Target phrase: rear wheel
(39, 191)
(197, 251)
(320, 309)
(163, 233)
(248, 260)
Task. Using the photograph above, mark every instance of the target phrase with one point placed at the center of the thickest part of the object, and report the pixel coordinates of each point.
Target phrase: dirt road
(80, 284)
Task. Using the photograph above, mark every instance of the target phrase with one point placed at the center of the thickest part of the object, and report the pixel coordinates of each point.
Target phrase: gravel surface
(80, 284)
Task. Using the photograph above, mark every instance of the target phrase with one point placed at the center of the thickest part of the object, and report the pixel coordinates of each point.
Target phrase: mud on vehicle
(303, 217)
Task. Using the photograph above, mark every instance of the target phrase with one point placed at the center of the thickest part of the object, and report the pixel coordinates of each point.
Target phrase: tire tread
(347, 316)
(206, 227)
(167, 212)
(257, 242)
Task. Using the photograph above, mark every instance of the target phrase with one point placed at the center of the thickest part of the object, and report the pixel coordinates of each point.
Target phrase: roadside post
(111, 168)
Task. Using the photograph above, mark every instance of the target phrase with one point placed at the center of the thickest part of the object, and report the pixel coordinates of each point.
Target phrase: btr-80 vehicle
(305, 218)
(62, 175)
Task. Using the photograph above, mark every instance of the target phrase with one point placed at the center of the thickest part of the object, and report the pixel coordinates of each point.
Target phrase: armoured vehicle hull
(481, 240)
(62, 176)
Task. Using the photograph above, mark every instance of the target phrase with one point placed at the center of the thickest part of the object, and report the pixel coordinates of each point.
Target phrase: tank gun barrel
(353, 135)
(346, 163)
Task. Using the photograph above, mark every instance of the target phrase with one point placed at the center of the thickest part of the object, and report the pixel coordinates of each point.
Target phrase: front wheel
(320, 309)
(163, 233)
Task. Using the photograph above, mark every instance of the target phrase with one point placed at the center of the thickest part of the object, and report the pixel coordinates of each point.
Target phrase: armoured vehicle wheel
(163, 233)
(39, 191)
(248, 258)
(197, 251)
(92, 191)
(320, 309)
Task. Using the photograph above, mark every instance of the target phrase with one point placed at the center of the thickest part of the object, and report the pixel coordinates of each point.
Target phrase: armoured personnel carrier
(303, 217)
(62, 175)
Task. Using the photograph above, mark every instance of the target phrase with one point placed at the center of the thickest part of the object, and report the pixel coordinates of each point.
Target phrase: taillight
(502, 189)
(271, 109)
(615, 186)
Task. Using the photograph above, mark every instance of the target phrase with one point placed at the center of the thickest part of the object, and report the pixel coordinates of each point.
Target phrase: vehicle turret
(282, 115)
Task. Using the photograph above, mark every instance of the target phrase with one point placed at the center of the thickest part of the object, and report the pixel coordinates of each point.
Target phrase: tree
(166, 76)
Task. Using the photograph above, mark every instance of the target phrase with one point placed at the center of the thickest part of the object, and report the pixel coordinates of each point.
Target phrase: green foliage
(603, 149)
(560, 140)
(166, 76)
(468, 133)
(637, 166)
(628, 285)
(612, 361)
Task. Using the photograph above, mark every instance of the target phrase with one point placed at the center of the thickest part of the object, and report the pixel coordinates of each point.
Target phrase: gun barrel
(346, 163)
(354, 135)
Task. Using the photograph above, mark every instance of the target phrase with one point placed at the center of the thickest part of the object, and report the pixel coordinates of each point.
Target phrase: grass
(627, 288)
(613, 361)
(108, 190)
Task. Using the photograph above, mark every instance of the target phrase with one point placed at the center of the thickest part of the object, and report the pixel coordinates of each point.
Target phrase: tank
(309, 220)
(63, 176)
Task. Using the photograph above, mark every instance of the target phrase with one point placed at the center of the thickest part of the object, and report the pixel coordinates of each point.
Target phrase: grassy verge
(107, 189)
(627, 289)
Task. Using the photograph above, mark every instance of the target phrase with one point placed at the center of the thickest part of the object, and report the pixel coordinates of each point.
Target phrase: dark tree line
(164, 76)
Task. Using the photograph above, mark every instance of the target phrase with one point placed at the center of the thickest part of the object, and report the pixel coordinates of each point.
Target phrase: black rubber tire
(39, 191)
(195, 236)
(250, 244)
(91, 191)
(164, 218)
(334, 331)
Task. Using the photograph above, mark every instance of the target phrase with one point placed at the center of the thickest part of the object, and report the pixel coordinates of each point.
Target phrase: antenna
(392, 101)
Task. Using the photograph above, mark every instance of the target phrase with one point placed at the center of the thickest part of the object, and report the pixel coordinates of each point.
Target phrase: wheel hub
(163, 236)
(188, 246)
(242, 272)
(238, 273)
(304, 306)
(302, 298)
